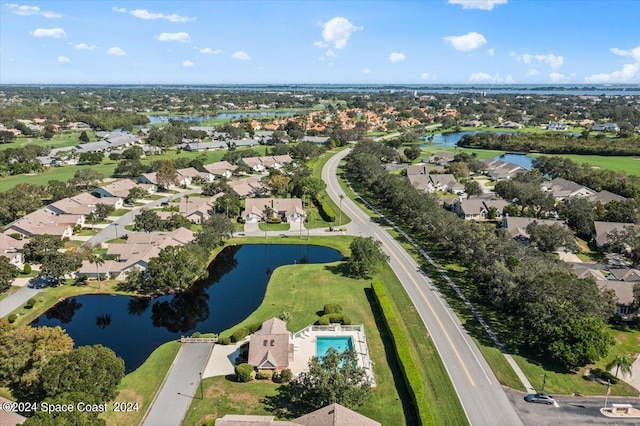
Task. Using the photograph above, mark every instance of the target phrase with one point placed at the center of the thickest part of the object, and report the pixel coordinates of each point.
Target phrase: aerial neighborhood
(265, 243)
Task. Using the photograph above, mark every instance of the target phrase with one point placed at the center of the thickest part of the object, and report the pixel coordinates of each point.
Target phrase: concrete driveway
(221, 361)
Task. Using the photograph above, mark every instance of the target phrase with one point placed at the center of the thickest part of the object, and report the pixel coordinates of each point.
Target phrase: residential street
(481, 395)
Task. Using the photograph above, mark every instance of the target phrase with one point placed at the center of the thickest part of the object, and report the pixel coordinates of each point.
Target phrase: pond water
(519, 159)
(452, 138)
(134, 327)
(155, 119)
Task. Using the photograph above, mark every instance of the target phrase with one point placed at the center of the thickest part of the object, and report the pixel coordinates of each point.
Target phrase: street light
(544, 381)
(201, 391)
(340, 213)
(116, 225)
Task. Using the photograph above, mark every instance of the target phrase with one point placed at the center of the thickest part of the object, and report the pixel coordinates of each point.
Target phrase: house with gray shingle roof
(603, 229)
(270, 348)
(563, 189)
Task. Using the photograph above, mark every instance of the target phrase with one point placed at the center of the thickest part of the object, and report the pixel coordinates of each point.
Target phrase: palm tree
(267, 213)
(340, 213)
(622, 363)
(98, 260)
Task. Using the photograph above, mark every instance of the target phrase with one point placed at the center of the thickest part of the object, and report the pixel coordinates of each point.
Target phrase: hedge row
(410, 372)
(341, 318)
(604, 375)
(325, 211)
(242, 332)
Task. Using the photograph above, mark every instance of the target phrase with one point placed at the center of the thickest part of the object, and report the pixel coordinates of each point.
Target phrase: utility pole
(340, 213)
(544, 381)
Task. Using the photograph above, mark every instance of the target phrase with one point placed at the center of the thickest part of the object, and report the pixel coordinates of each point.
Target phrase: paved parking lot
(570, 411)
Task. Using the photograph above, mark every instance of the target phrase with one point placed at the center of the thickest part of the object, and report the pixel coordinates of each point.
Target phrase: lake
(155, 119)
(452, 138)
(134, 327)
(519, 159)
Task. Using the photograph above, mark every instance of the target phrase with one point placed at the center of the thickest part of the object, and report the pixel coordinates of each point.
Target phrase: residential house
(433, 183)
(12, 249)
(626, 274)
(625, 302)
(121, 188)
(605, 127)
(502, 170)
(288, 209)
(517, 226)
(83, 203)
(220, 168)
(43, 222)
(270, 348)
(186, 176)
(204, 146)
(605, 197)
(475, 208)
(510, 125)
(316, 139)
(553, 125)
(442, 158)
(424, 169)
(604, 229)
(331, 415)
(239, 143)
(261, 164)
(196, 209)
(249, 187)
(563, 189)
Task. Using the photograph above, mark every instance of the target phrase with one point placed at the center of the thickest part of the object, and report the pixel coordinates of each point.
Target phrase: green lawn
(314, 219)
(59, 140)
(274, 226)
(142, 385)
(120, 212)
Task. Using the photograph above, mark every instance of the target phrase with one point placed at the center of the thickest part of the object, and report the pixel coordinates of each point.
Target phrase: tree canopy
(366, 255)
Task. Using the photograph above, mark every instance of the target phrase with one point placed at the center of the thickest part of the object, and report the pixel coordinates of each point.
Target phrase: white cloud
(24, 10)
(63, 59)
(145, 14)
(533, 72)
(491, 52)
(396, 57)
(179, 37)
(119, 9)
(49, 32)
(478, 4)
(630, 72)
(188, 64)
(466, 42)
(321, 58)
(424, 76)
(556, 77)
(366, 71)
(337, 31)
(210, 51)
(85, 46)
(554, 61)
(483, 77)
(320, 44)
(330, 64)
(116, 51)
(330, 54)
(243, 56)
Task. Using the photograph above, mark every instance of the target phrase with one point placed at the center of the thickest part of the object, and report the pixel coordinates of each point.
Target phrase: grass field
(142, 385)
(58, 140)
(275, 226)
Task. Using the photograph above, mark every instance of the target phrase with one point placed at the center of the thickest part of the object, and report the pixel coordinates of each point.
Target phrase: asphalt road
(571, 410)
(17, 299)
(180, 387)
(481, 395)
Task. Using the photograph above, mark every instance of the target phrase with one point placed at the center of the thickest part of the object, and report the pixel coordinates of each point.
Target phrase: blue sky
(422, 41)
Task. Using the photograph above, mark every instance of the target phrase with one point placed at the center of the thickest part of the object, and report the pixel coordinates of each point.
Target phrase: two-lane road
(480, 393)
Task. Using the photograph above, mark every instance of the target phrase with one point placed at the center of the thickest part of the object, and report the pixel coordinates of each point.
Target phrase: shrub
(12, 318)
(274, 220)
(604, 375)
(324, 320)
(239, 334)
(334, 318)
(252, 328)
(16, 236)
(264, 375)
(196, 335)
(324, 210)
(285, 376)
(346, 320)
(26, 269)
(332, 308)
(285, 316)
(225, 340)
(245, 372)
(31, 302)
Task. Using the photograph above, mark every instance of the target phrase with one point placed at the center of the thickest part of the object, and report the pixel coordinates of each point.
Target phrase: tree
(41, 245)
(147, 221)
(334, 378)
(25, 350)
(305, 151)
(58, 190)
(366, 255)
(20, 200)
(103, 210)
(278, 137)
(412, 152)
(580, 341)
(136, 193)
(95, 371)
(97, 260)
(84, 138)
(75, 417)
(130, 168)
(8, 272)
(549, 238)
(472, 188)
(229, 204)
(86, 180)
(6, 137)
(308, 185)
(579, 214)
(166, 174)
(56, 266)
(175, 269)
(280, 185)
(91, 158)
(621, 363)
(48, 131)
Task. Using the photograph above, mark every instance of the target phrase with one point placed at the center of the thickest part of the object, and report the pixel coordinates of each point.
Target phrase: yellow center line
(424, 297)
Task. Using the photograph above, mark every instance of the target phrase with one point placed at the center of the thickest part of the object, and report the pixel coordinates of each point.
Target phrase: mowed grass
(58, 140)
(303, 290)
(317, 165)
(142, 385)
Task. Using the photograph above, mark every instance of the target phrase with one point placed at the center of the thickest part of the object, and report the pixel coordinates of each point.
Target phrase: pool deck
(305, 344)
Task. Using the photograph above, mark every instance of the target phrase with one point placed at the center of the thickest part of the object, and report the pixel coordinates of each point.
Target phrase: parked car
(541, 398)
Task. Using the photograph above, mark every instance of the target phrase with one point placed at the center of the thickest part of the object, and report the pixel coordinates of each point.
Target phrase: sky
(315, 42)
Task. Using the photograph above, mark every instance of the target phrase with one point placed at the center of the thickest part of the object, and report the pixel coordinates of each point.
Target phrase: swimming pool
(340, 343)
